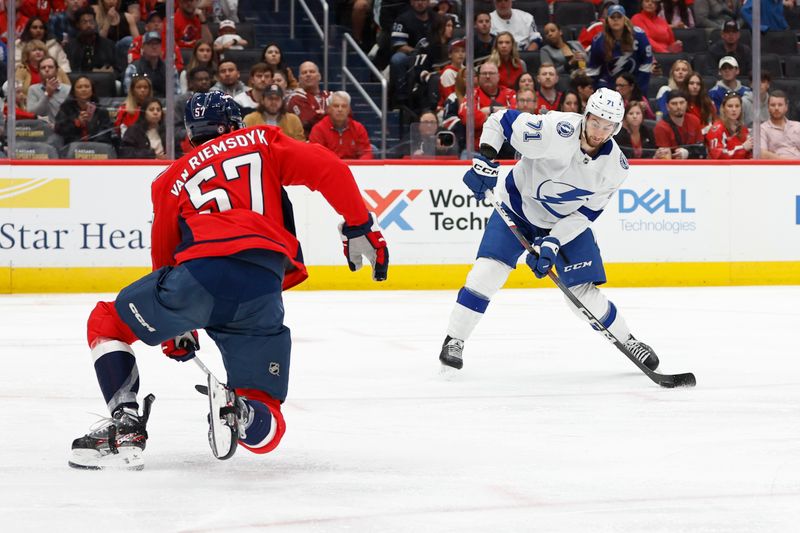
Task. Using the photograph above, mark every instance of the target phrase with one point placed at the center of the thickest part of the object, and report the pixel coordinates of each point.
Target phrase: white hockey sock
(603, 309)
(483, 281)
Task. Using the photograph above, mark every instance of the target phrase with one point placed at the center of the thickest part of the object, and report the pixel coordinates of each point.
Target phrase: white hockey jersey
(555, 185)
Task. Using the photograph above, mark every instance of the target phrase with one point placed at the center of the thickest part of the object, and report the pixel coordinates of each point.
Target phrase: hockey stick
(665, 380)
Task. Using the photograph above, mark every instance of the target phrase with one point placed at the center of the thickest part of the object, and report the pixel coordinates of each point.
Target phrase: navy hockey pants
(578, 261)
(238, 303)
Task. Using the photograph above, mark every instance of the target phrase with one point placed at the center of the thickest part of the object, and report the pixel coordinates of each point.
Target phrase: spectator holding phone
(80, 119)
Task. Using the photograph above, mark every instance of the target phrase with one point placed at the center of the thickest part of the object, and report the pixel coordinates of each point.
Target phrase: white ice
(547, 428)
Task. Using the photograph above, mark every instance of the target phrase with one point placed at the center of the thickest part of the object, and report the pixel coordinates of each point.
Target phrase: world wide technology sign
(100, 216)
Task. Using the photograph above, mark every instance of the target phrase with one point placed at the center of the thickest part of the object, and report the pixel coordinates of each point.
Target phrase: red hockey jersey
(723, 145)
(225, 197)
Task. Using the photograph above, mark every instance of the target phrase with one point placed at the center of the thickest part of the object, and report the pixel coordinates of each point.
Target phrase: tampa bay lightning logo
(623, 161)
(556, 196)
(565, 129)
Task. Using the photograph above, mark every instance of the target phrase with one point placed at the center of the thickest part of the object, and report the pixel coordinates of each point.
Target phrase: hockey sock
(483, 282)
(117, 373)
(259, 430)
(603, 309)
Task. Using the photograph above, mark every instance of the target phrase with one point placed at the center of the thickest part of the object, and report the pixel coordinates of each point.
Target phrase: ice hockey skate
(114, 443)
(450, 356)
(643, 352)
(228, 415)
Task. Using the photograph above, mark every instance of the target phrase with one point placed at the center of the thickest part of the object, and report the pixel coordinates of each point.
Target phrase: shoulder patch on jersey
(565, 129)
(623, 161)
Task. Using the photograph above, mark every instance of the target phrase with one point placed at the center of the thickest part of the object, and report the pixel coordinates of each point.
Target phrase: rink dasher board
(86, 227)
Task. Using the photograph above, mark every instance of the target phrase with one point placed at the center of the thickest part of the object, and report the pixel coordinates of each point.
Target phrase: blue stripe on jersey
(472, 301)
(605, 149)
(508, 123)
(591, 214)
(514, 196)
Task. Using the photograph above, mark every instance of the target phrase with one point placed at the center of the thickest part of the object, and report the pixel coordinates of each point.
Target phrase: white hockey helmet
(607, 104)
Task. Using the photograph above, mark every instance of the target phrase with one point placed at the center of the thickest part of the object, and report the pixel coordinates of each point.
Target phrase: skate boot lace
(454, 347)
(638, 349)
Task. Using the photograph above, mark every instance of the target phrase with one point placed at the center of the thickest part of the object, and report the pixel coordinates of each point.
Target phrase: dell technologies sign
(660, 211)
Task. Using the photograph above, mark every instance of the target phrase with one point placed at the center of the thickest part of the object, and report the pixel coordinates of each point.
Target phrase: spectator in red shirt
(308, 101)
(657, 29)
(678, 128)
(20, 22)
(729, 138)
(506, 56)
(449, 73)
(140, 91)
(190, 24)
(487, 98)
(548, 96)
(340, 133)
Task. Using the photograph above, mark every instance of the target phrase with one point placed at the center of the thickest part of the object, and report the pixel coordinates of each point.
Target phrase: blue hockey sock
(259, 428)
(117, 374)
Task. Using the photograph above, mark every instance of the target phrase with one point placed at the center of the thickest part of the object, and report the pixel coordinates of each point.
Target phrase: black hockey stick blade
(675, 380)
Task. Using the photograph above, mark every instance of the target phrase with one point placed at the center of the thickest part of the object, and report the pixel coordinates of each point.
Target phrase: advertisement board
(668, 224)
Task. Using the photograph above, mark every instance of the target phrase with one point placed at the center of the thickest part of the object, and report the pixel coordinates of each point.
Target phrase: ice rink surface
(547, 428)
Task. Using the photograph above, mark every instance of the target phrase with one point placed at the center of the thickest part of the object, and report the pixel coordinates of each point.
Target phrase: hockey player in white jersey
(570, 168)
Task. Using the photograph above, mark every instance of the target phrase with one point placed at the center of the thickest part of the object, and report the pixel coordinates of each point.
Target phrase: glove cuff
(352, 232)
(552, 243)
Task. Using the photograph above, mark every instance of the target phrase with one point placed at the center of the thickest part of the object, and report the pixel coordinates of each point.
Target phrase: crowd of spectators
(683, 68)
(94, 71)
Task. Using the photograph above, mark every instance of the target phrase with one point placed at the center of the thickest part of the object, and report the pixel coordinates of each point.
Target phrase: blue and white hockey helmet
(208, 115)
(607, 104)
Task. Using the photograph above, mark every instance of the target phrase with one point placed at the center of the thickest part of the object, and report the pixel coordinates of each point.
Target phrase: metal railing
(348, 75)
(323, 31)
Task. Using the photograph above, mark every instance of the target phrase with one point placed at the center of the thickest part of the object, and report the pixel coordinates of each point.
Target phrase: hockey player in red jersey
(223, 249)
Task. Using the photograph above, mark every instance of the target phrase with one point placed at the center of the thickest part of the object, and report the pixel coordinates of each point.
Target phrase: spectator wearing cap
(772, 18)
(658, 30)
(678, 128)
(449, 72)
(154, 22)
(271, 111)
(89, 51)
(621, 47)
(780, 138)
(712, 14)
(730, 45)
(587, 34)
(728, 71)
(340, 133)
(260, 78)
(520, 23)
(152, 66)
(483, 36)
(228, 38)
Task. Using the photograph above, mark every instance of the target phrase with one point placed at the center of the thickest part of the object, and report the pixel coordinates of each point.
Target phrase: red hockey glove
(182, 347)
(365, 240)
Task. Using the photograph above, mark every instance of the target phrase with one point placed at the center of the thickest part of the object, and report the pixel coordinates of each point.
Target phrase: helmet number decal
(231, 169)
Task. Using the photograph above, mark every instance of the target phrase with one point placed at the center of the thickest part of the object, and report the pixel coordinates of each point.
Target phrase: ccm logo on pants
(576, 266)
